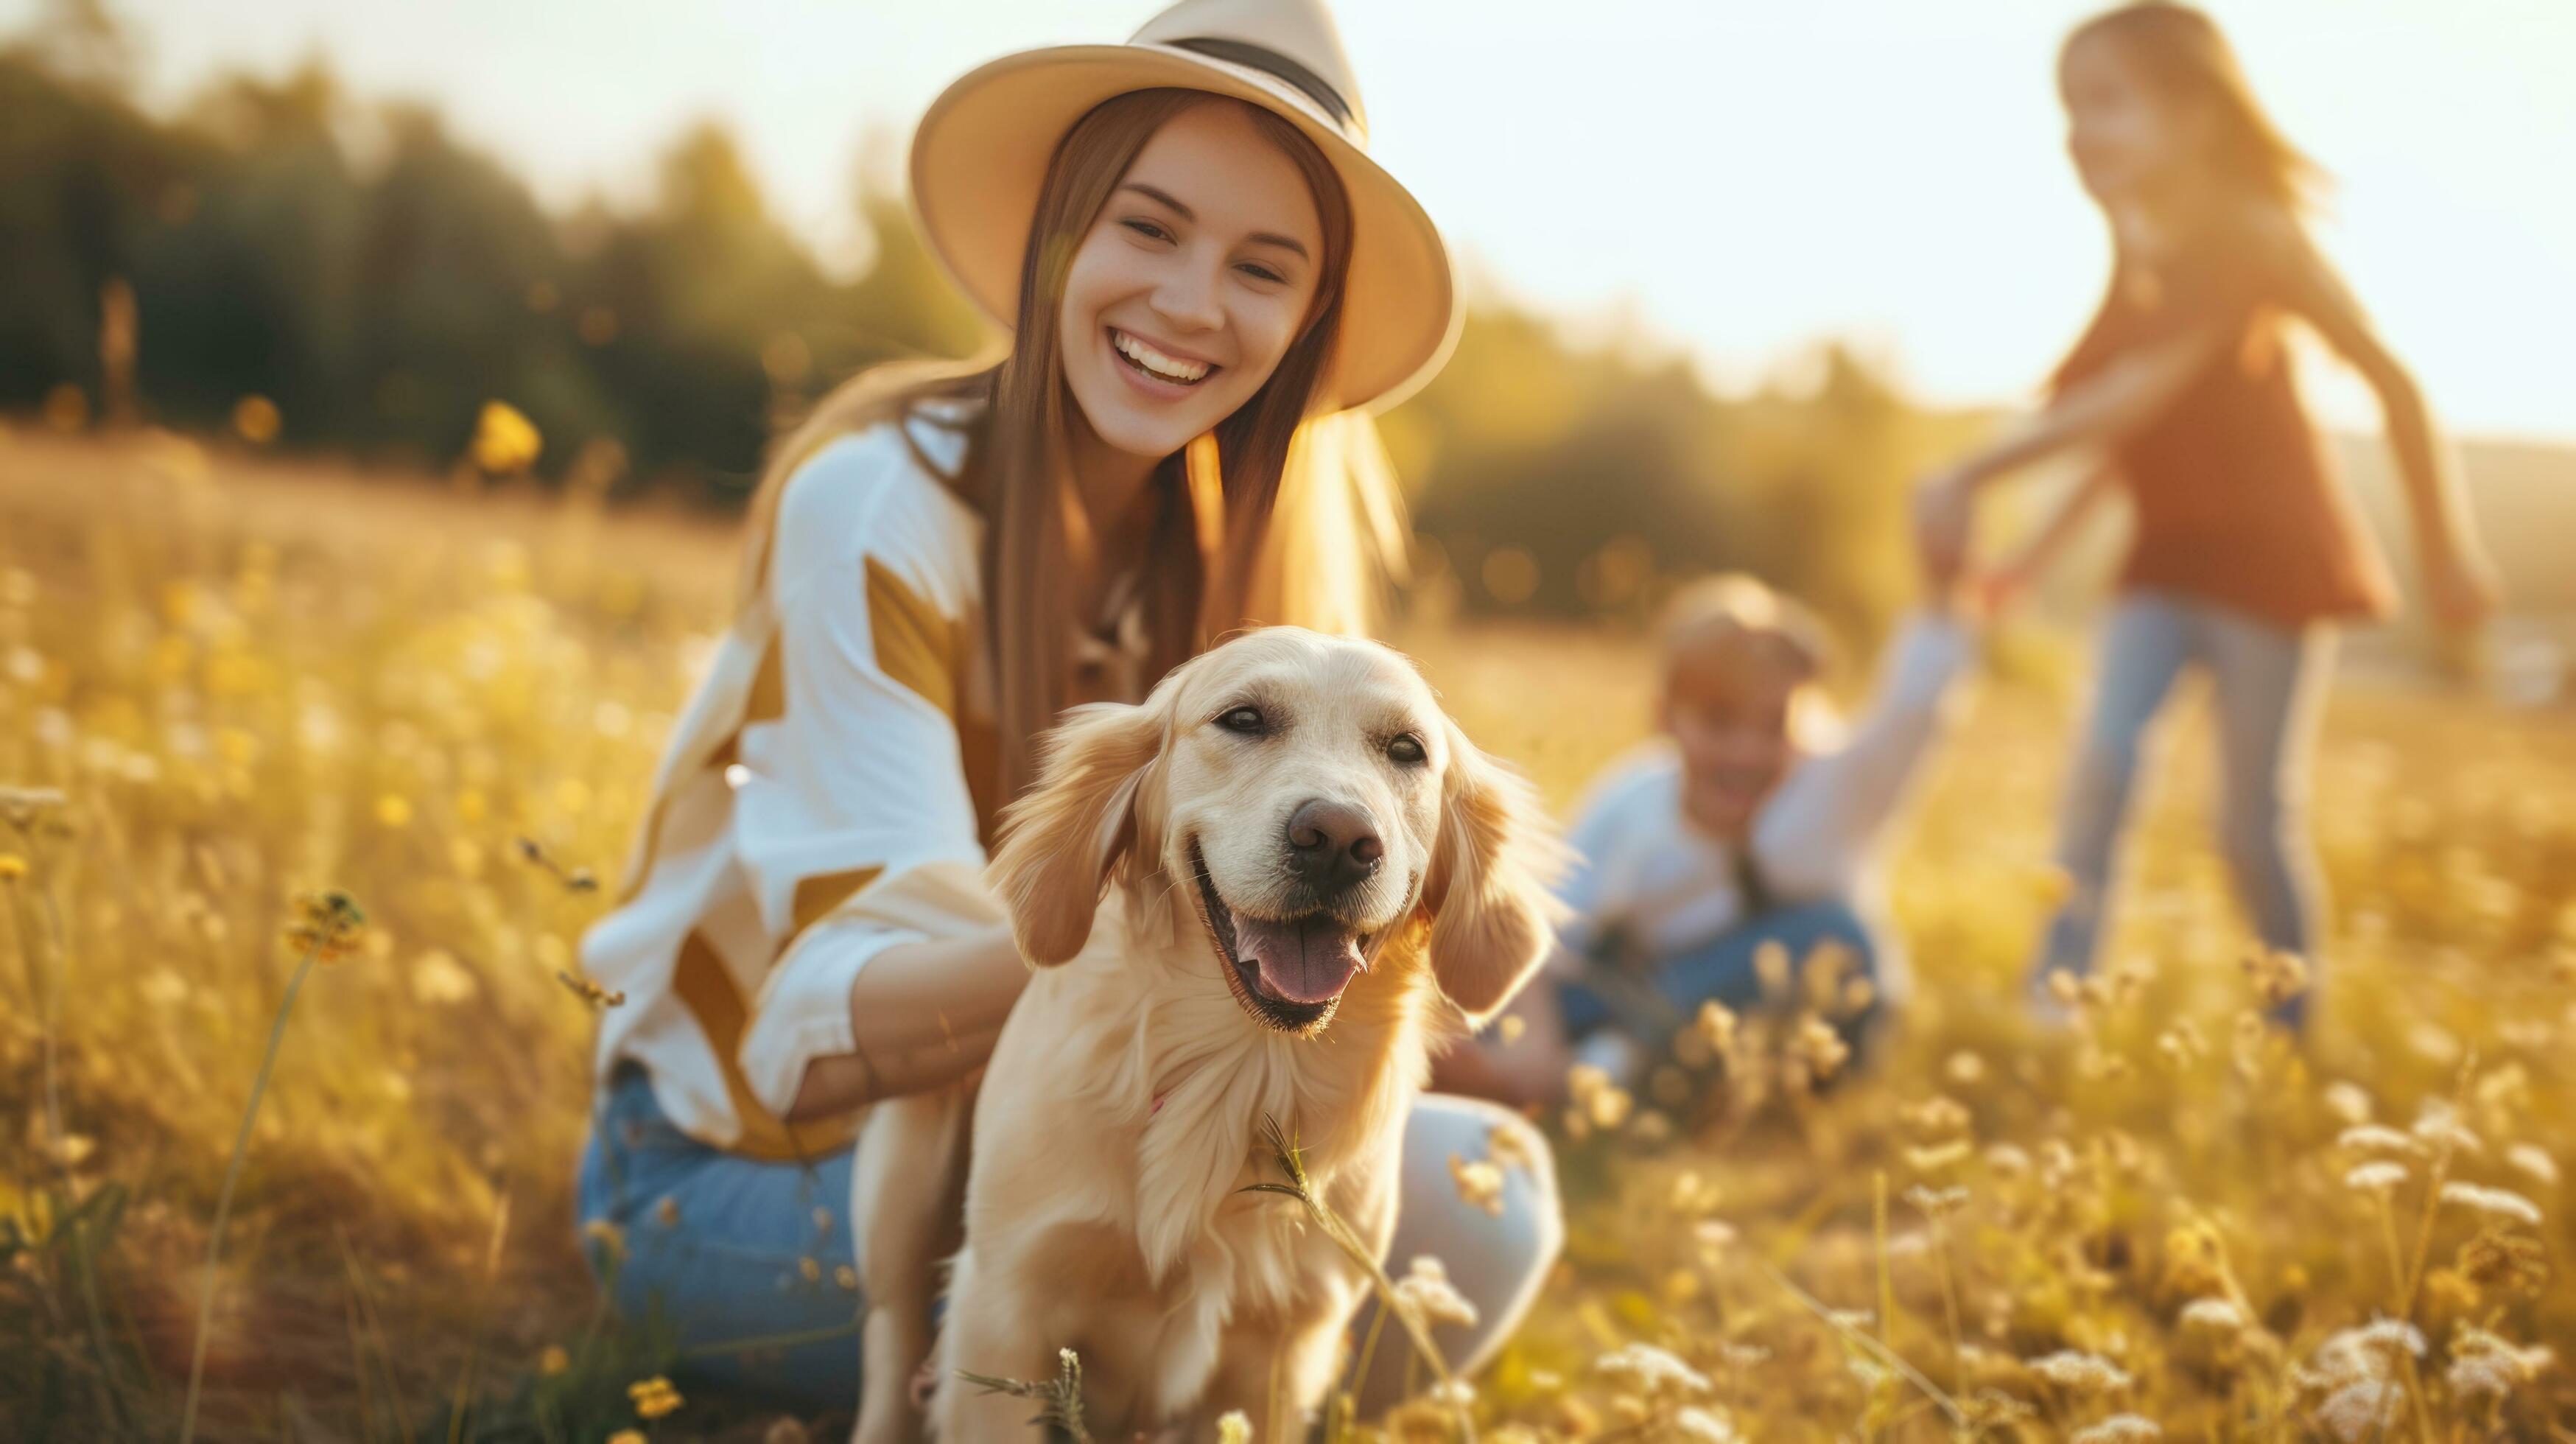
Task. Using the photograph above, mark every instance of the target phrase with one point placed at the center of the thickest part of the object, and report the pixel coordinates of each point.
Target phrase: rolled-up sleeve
(856, 824)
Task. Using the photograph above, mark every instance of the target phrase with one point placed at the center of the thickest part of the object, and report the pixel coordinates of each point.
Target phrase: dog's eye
(1247, 720)
(1407, 749)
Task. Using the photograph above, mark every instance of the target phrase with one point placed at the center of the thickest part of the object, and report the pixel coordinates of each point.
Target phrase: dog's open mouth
(1288, 973)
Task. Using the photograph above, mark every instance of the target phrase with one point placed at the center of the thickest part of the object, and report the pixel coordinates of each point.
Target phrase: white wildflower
(2348, 1101)
(1426, 1293)
(2390, 1335)
(1652, 1370)
(2220, 1315)
(2366, 1353)
(2501, 1203)
(2083, 1373)
(2536, 1164)
(2120, 1429)
(1704, 1427)
(2375, 1177)
(2439, 1124)
(2486, 1364)
(1453, 1393)
(2361, 1410)
(2376, 1138)
(2474, 1376)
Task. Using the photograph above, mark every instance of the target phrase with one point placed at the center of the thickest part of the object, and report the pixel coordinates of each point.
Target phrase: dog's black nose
(1333, 846)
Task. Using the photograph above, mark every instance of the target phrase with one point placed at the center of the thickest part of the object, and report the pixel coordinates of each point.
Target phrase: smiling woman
(1176, 311)
(1207, 281)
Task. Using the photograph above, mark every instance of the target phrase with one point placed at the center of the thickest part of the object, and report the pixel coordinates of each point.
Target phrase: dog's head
(1309, 797)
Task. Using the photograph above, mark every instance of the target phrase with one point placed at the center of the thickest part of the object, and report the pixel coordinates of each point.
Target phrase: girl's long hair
(1309, 526)
(2181, 53)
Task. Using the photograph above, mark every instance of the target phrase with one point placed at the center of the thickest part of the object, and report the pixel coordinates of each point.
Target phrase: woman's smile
(1164, 370)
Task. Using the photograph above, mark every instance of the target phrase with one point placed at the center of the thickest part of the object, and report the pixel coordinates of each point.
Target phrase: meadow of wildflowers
(272, 733)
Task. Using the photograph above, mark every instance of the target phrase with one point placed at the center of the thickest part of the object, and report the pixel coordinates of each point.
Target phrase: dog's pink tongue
(1306, 961)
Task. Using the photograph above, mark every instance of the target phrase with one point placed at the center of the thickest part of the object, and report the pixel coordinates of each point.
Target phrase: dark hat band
(1262, 58)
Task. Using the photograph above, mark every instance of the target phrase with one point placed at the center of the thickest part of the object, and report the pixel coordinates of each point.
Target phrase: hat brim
(980, 158)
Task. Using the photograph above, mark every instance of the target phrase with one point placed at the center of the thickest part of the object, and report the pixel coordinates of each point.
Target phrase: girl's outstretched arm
(2097, 411)
(2051, 539)
(2459, 582)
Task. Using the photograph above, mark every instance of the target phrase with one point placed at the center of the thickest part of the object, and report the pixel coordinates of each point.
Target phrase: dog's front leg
(996, 1332)
(907, 1191)
(1279, 1372)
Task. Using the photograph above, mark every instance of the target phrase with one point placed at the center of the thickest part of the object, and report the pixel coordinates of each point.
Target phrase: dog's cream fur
(1120, 1118)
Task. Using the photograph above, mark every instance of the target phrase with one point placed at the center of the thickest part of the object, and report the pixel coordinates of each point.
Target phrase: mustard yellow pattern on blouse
(928, 653)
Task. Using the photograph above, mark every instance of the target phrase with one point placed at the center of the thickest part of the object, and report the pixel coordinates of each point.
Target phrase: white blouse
(1645, 869)
(814, 805)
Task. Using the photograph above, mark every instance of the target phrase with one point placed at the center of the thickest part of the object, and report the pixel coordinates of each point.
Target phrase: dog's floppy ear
(1493, 918)
(1060, 840)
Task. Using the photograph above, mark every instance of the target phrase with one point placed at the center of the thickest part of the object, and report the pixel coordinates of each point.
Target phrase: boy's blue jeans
(1723, 969)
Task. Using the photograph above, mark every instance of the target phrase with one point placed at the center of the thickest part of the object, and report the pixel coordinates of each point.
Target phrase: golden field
(228, 683)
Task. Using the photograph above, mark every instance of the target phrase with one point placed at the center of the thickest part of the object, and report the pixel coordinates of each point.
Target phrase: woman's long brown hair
(2182, 54)
(1017, 463)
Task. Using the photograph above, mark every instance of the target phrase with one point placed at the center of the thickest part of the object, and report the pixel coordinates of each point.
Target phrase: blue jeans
(2267, 691)
(727, 1258)
(1722, 970)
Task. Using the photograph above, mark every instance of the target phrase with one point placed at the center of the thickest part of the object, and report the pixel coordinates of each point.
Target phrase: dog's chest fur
(1137, 1053)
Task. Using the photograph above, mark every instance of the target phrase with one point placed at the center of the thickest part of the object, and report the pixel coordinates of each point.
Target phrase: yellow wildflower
(1480, 1184)
(329, 925)
(256, 420)
(1716, 1026)
(610, 1238)
(655, 1398)
(505, 440)
(553, 1361)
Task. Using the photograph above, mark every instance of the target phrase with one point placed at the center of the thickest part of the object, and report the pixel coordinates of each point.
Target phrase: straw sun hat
(982, 151)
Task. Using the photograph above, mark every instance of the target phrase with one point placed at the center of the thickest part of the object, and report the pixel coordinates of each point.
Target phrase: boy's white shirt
(1644, 869)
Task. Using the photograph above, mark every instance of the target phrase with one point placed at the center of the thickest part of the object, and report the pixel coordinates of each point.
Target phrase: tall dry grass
(238, 683)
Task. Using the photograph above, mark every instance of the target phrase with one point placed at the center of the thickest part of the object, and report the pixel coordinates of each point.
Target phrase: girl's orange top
(2236, 499)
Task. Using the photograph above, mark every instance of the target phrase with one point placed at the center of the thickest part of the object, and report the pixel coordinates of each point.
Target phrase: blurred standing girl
(2247, 552)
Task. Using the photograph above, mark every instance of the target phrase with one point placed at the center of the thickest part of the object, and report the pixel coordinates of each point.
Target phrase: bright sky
(1734, 177)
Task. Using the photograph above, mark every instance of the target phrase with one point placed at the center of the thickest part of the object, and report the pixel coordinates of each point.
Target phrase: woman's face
(1191, 285)
(1732, 727)
(2123, 136)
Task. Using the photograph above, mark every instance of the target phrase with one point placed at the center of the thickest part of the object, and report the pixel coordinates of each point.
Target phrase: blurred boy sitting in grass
(1735, 857)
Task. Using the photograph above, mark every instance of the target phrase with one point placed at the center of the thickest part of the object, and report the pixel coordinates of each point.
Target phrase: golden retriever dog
(1253, 897)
